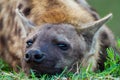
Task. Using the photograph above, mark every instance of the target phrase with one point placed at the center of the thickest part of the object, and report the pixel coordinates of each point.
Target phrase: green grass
(111, 72)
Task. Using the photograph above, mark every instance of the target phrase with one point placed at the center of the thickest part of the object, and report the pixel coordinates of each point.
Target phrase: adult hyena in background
(10, 43)
(58, 32)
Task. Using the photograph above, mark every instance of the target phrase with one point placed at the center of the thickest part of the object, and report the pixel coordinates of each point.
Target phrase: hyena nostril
(38, 57)
(27, 57)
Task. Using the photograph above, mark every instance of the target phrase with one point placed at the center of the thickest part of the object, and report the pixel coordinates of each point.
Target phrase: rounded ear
(93, 27)
(25, 24)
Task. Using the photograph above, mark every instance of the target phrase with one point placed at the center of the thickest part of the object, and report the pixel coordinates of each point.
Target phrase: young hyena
(49, 35)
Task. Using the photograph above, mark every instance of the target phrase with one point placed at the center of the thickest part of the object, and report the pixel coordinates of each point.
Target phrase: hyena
(49, 35)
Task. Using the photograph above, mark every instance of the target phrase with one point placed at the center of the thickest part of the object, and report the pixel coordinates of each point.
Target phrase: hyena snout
(34, 56)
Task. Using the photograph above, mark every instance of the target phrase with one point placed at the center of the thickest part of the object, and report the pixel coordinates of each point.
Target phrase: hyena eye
(63, 46)
(29, 43)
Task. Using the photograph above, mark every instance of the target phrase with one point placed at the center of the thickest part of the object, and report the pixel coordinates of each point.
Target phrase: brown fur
(41, 12)
(9, 33)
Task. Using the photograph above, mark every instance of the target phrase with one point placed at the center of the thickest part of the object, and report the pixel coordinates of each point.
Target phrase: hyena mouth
(43, 68)
(50, 71)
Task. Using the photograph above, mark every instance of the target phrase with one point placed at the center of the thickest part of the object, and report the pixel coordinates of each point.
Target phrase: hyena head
(50, 48)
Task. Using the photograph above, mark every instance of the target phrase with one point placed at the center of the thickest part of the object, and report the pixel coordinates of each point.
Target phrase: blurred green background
(103, 7)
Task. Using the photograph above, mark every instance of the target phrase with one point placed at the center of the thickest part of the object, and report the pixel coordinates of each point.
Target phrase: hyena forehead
(53, 30)
(60, 32)
(58, 27)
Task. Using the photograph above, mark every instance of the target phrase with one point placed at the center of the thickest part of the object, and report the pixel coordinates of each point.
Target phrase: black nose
(34, 56)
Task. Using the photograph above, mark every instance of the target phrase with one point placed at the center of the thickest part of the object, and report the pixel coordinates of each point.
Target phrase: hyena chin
(51, 48)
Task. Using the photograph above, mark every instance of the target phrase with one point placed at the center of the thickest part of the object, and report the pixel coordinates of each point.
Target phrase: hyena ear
(93, 27)
(90, 59)
(25, 24)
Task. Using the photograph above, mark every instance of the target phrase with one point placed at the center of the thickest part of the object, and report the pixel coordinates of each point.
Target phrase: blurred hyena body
(10, 43)
(40, 12)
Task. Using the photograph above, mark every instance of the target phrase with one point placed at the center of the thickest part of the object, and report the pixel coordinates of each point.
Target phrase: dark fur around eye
(63, 46)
